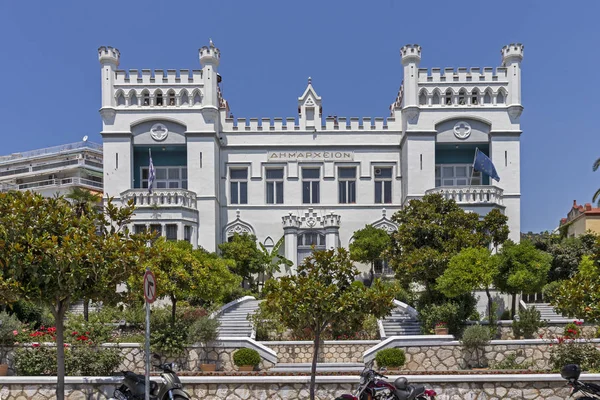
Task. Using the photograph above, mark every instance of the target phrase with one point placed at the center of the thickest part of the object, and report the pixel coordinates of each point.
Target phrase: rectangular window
(171, 231)
(166, 178)
(383, 185)
(275, 186)
(347, 185)
(137, 228)
(187, 233)
(238, 180)
(310, 185)
(456, 175)
(156, 229)
(117, 161)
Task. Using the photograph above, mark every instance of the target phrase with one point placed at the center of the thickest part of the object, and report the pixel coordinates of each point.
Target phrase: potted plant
(204, 331)
(441, 328)
(392, 358)
(246, 359)
(474, 340)
(9, 327)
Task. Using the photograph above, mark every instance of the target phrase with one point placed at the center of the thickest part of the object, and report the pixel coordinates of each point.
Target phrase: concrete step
(321, 367)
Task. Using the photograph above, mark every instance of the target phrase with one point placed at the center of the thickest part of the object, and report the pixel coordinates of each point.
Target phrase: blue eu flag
(483, 164)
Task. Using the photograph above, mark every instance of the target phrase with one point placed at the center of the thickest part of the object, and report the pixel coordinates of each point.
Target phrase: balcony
(53, 183)
(471, 195)
(161, 198)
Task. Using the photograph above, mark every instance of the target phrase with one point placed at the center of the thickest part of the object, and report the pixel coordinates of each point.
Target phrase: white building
(310, 178)
(54, 170)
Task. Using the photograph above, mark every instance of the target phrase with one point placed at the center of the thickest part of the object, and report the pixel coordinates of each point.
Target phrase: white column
(291, 246)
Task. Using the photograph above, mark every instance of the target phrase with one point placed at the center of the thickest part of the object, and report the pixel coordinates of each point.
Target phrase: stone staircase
(400, 323)
(321, 367)
(234, 321)
(547, 312)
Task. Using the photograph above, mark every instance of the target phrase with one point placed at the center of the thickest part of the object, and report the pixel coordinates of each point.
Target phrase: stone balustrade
(470, 194)
(161, 198)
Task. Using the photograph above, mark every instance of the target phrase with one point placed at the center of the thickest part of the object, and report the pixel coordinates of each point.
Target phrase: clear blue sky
(51, 75)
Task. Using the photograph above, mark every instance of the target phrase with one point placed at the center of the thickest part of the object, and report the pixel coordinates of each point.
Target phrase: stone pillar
(291, 224)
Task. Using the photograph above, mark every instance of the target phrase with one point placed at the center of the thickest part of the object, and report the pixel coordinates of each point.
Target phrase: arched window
(120, 99)
(462, 97)
(197, 98)
(308, 242)
(159, 98)
(500, 98)
(171, 101)
(448, 97)
(423, 98)
(184, 97)
(475, 97)
(133, 100)
(145, 98)
(436, 98)
(487, 99)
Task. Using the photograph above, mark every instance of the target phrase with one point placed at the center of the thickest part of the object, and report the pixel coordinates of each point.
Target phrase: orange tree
(52, 254)
(323, 293)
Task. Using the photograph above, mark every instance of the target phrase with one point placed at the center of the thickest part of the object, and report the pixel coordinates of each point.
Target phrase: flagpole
(473, 166)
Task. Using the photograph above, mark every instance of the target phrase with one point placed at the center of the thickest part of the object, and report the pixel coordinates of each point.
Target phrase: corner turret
(411, 57)
(210, 57)
(512, 55)
(109, 59)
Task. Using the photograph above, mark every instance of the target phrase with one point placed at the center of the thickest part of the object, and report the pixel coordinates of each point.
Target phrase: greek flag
(151, 173)
(482, 163)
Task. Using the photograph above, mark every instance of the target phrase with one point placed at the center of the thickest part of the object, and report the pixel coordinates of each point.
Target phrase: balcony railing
(51, 150)
(161, 198)
(470, 194)
(75, 181)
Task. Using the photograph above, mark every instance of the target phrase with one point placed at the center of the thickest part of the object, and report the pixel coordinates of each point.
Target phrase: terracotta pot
(246, 368)
(208, 367)
(441, 331)
(3, 369)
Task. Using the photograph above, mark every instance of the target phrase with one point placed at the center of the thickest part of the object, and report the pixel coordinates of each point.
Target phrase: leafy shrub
(79, 360)
(455, 312)
(527, 324)
(245, 356)
(571, 351)
(9, 329)
(393, 357)
(204, 331)
(32, 314)
(572, 330)
(474, 339)
(510, 362)
(96, 330)
(505, 315)
(169, 340)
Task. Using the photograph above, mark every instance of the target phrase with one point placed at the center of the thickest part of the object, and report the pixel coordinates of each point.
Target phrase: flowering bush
(573, 329)
(574, 348)
(441, 325)
(9, 329)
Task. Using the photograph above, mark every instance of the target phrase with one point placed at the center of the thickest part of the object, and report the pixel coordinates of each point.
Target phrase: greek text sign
(311, 155)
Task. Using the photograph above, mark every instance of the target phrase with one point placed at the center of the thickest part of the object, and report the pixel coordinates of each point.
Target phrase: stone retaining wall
(350, 351)
(550, 331)
(448, 387)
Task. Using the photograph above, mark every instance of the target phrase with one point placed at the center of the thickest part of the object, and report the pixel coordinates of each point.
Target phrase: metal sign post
(150, 296)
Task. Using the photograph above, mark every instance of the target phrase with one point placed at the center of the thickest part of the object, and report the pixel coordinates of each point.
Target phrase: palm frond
(596, 197)
(596, 164)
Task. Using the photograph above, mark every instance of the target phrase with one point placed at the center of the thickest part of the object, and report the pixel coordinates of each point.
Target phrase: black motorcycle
(571, 373)
(134, 386)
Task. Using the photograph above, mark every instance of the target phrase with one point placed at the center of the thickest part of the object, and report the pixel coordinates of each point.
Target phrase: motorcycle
(372, 386)
(134, 385)
(571, 373)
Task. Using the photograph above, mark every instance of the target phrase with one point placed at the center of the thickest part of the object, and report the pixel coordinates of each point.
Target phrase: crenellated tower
(210, 57)
(109, 59)
(411, 58)
(512, 55)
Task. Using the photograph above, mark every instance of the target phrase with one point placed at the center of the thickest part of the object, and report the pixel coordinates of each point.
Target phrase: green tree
(249, 260)
(495, 228)
(324, 293)
(182, 273)
(368, 245)
(59, 255)
(579, 296)
(471, 269)
(521, 268)
(273, 260)
(596, 197)
(431, 231)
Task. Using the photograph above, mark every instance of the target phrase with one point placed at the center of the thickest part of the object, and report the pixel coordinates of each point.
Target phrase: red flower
(578, 323)
(35, 345)
(51, 330)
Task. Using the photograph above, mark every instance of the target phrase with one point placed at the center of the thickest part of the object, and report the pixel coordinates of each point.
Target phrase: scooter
(134, 385)
(571, 373)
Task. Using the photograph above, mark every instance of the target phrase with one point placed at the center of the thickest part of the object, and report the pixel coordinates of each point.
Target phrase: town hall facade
(311, 179)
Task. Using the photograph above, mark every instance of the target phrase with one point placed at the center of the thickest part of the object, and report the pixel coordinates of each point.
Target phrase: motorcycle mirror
(174, 367)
